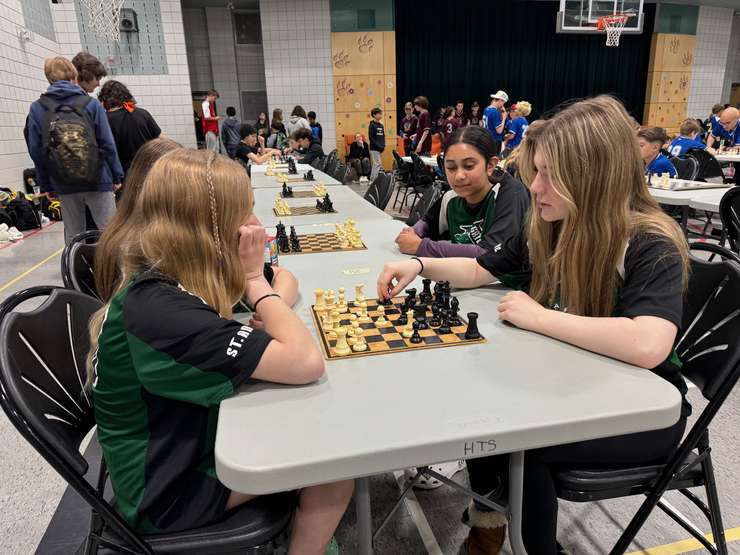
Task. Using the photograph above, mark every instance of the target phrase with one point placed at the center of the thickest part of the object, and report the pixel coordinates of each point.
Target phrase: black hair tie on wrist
(420, 263)
(263, 297)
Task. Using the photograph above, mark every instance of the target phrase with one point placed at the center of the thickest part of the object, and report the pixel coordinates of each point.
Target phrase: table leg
(364, 516)
(516, 493)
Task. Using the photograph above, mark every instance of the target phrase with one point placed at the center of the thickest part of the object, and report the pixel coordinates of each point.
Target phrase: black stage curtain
(469, 50)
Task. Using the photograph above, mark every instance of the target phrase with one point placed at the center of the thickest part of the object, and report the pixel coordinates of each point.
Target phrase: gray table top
(707, 199)
(379, 413)
(702, 199)
(727, 157)
(347, 204)
(262, 181)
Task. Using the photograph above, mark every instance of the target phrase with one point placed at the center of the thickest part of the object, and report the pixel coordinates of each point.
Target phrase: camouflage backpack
(69, 141)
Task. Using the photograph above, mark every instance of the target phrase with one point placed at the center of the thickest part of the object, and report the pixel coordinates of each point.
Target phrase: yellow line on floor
(4, 286)
(686, 546)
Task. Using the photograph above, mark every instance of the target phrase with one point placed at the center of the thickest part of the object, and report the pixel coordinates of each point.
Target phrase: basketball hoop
(613, 25)
(104, 17)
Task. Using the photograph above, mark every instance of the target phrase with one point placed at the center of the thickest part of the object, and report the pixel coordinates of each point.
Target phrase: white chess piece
(360, 343)
(381, 321)
(341, 347)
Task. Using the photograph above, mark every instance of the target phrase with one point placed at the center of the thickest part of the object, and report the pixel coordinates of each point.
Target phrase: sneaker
(363, 179)
(448, 470)
(487, 532)
(4, 236)
(14, 234)
(44, 220)
(3, 227)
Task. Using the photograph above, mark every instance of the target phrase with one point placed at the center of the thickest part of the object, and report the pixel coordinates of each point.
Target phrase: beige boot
(487, 532)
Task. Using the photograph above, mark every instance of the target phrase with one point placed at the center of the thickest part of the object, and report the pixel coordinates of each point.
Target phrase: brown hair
(299, 111)
(123, 224)
(59, 69)
(301, 133)
(421, 101)
(114, 93)
(594, 164)
(88, 67)
(717, 108)
(652, 134)
(689, 126)
(213, 92)
(277, 114)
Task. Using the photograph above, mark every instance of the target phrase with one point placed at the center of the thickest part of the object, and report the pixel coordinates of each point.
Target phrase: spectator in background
(423, 136)
(262, 126)
(251, 148)
(315, 127)
(517, 127)
(359, 158)
(376, 136)
(297, 121)
(408, 126)
(277, 116)
(452, 123)
(475, 116)
(438, 124)
(210, 120)
(306, 141)
(131, 126)
(231, 131)
(712, 122)
(460, 113)
(494, 118)
(90, 71)
(61, 174)
(727, 131)
(651, 140)
(277, 139)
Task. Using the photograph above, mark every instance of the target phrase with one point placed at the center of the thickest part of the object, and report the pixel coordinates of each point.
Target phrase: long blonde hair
(594, 164)
(124, 223)
(189, 211)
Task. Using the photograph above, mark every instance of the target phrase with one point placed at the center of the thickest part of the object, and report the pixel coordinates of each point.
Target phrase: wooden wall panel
(357, 53)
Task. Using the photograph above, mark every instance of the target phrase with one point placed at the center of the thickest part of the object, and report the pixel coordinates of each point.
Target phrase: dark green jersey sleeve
(509, 262)
(182, 349)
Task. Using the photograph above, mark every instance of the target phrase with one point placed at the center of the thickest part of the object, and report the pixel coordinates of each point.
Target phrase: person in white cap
(494, 118)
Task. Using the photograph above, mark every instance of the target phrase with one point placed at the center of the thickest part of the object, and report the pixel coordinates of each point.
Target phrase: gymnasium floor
(428, 523)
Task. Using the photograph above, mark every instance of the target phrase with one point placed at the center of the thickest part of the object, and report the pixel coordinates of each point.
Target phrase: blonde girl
(166, 352)
(597, 265)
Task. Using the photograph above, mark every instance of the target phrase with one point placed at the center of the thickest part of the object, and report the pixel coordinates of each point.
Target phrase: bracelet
(420, 263)
(263, 297)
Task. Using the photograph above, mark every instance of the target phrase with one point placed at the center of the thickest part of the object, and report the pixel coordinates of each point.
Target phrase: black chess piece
(328, 205)
(283, 244)
(472, 331)
(295, 243)
(387, 302)
(445, 325)
(286, 192)
(426, 294)
(308, 176)
(422, 319)
(292, 167)
(402, 320)
(416, 338)
(454, 317)
(435, 322)
(320, 205)
(293, 232)
(279, 230)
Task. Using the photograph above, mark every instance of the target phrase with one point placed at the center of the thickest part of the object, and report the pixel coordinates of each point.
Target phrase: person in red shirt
(210, 120)
(475, 115)
(452, 123)
(423, 136)
(408, 126)
(460, 113)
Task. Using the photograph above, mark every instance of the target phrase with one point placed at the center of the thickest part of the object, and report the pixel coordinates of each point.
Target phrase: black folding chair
(686, 167)
(709, 168)
(341, 173)
(331, 166)
(710, 356)
(729, 213)
(431, 195)
(42, 391)
(403, 171)
(78, 263)
(319, 163)
(380, 191)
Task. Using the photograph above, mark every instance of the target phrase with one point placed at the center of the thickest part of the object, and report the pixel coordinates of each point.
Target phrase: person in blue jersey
(727, 133)
(518, 125)
(494, 118)
(651, 139)
(712, 122)
(688, 138)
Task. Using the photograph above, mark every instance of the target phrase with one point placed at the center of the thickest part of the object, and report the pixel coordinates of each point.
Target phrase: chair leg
(718, 529)
(398, 192)
(687, 525)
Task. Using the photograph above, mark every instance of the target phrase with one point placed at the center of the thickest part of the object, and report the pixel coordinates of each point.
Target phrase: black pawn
(387, 302)
(435, 322)
(454, 317)
(445, 325)
(320, 205)
(416, 338)
(472, 331)
(295, 244)
(402, 320)
(420, 315)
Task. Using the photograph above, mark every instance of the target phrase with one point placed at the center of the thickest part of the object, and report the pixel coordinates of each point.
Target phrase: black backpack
(68, 134)
(23, 213)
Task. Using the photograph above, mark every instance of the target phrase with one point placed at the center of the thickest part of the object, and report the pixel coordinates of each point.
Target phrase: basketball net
(613, 25)
(104, 17)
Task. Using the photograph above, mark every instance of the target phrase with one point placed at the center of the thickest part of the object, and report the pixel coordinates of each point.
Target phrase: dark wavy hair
(113, 94)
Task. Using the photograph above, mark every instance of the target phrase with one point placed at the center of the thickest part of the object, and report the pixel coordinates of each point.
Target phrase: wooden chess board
(298, 179)
(302, 211)
(389, 339)
(302, 194)
(312, 243)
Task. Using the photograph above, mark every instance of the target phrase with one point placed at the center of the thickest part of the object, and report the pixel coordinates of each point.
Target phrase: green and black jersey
(165, 361)
(651, 284)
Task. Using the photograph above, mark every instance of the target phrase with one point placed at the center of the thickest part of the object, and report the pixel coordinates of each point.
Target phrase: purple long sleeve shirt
(443, 249)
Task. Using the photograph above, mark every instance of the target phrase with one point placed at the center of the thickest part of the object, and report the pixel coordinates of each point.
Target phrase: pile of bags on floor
(21, 212)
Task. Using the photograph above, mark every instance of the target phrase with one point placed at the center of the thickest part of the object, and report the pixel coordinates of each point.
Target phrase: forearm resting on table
(463, 273)
(286, 285)
(292, 356)
(644, 341)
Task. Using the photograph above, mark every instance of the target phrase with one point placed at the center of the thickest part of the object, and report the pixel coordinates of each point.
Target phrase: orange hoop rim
(614, 18)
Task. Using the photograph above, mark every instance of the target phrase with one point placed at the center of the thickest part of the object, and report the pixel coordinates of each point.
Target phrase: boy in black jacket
(376, 134)
(309, 143)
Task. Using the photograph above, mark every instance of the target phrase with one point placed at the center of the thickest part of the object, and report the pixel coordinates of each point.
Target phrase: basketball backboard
(582, 16)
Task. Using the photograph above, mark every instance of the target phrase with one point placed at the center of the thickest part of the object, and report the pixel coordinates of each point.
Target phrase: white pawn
(408, 331)
(342, 301)
(364, 317)
(360, 295)
(319, 293)
(360, 343)
(381, 321)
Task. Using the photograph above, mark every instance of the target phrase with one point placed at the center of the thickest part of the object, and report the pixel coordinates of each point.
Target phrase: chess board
(298, 179)
(389, 339)
(303, 211)
(302, 194)
(312, 243)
